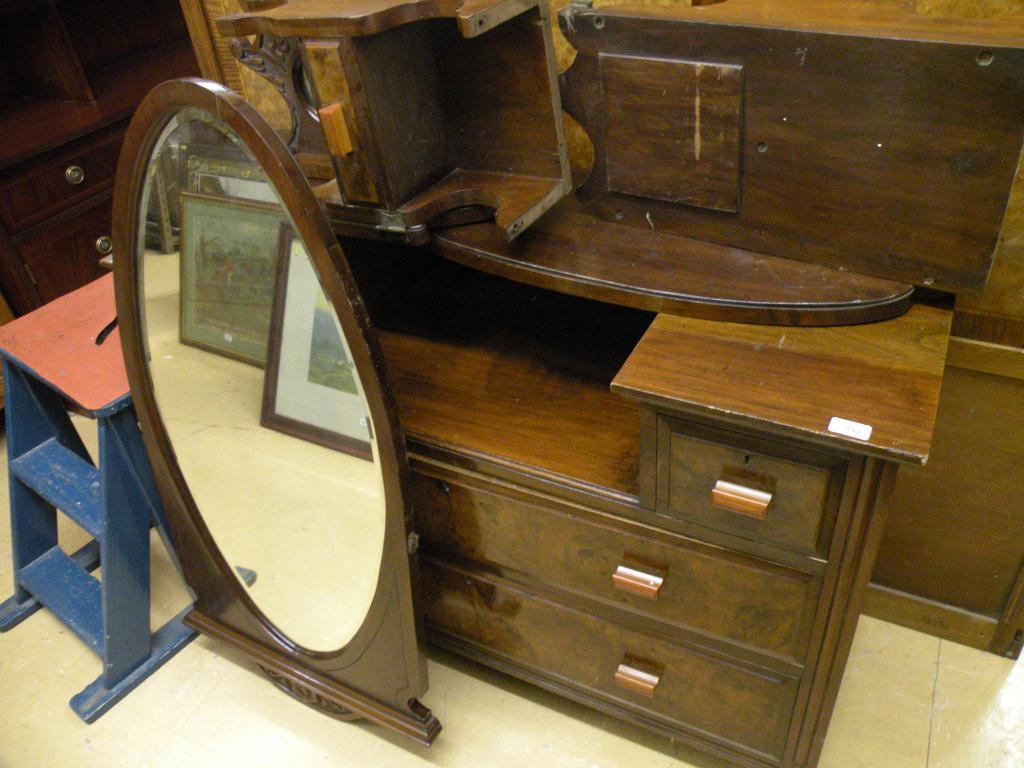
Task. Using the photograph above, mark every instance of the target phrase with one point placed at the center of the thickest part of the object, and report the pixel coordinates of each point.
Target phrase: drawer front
(45, 187)
(742, 708)
(664, 577)
(756, 489)
(65, 257)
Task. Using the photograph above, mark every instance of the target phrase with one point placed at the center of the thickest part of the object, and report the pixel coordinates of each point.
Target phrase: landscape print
(228, 270)
(329, 364)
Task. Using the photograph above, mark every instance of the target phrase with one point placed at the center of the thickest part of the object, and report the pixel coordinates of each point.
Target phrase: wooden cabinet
(65, 254)
(693, 588)
(733, 707)
(754, 489)
(967, 584)
(71, 73)
(576, 474)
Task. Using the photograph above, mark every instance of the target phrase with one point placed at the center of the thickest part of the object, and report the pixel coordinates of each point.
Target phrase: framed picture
(311, 389)
(229, 251)
(228, 178)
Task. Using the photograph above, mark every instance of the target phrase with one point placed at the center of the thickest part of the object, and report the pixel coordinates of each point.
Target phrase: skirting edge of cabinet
(986, 357)
(945, 621)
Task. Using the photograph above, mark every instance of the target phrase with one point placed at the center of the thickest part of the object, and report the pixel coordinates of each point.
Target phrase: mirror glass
(255, 385)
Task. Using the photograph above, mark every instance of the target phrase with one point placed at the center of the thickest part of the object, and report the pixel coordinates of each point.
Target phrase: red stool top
(57, 344)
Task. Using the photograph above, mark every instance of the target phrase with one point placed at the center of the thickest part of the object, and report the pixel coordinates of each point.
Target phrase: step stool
(52, 357)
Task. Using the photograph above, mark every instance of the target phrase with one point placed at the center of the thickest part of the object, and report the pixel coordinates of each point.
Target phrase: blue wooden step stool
(52, 358)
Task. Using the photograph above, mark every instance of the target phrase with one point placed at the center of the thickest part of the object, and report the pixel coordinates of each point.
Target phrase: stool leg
(124, 554)
(130, 442)
(130, 653)
(34, 414)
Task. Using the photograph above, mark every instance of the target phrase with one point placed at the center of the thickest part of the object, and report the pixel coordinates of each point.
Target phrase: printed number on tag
(849, 428)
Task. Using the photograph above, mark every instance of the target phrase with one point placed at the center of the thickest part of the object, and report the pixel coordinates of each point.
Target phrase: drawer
(41, 188)
(743, 708)
(64, 256)
(750, 487)
(658, 575)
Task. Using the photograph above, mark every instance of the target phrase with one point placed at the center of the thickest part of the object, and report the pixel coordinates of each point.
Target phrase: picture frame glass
(312, 387)
(228, 260)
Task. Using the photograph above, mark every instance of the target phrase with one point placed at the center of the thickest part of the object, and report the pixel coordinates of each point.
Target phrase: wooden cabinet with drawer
(64, 255)
(754, 488)
(68, 85)
(59, 180)
(565, 503)
(652, 575)
(743, 709)
(569, 508)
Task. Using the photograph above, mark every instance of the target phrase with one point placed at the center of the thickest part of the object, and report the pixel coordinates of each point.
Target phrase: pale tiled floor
(907, 701)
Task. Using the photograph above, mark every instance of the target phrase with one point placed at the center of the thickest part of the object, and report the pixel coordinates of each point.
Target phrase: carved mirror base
(321, 692)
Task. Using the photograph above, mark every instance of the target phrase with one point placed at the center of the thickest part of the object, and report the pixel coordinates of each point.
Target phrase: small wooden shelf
(513, 374)
(328, 18)
(576, 252)
(513, 200)
(117, 90)
(447, 104)
(872, 388)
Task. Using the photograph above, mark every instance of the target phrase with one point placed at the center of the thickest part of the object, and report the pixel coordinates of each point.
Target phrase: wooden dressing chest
(620, 492)
(668, 532)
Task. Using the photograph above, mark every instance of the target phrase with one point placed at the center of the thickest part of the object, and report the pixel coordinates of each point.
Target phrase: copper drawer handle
(636, 680)
(741, 499)
(637, 582)
(332, 123)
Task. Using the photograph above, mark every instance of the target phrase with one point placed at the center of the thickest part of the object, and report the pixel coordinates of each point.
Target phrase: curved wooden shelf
(329, 18)
(575, 252)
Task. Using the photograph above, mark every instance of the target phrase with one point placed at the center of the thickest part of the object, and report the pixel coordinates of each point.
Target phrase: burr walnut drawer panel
(618, 562)
(30, 195)
(750, 487)
(741, 707)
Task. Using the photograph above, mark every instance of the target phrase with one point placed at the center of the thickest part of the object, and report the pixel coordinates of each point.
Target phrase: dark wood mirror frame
(380, 673)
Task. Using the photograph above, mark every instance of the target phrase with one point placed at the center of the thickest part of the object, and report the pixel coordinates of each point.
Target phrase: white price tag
(849, 428)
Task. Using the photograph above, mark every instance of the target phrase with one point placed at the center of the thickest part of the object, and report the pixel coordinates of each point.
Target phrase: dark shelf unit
(71, 75)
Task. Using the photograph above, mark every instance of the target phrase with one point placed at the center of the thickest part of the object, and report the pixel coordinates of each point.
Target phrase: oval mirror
(258, 388)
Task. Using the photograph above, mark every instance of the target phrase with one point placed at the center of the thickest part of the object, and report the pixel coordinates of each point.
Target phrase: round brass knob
(74, 175)
(104, 245)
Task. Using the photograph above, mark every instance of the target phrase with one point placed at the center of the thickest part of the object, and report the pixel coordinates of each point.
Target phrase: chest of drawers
(667, 531)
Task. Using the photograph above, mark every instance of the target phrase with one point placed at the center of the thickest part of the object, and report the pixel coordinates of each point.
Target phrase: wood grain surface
(794, 381)
(465, 385)
(969, 22)
(686, 149)
(731, 704)
(328, 18)
(573, 251)
(878, 155)
(705, 591)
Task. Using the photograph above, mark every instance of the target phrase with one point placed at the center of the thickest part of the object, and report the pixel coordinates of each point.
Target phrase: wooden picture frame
(310, 373)
(227, 178)
(243, 335)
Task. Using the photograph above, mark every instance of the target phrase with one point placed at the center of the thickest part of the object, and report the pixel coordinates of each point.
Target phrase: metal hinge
(391, 222)
(413, 542)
